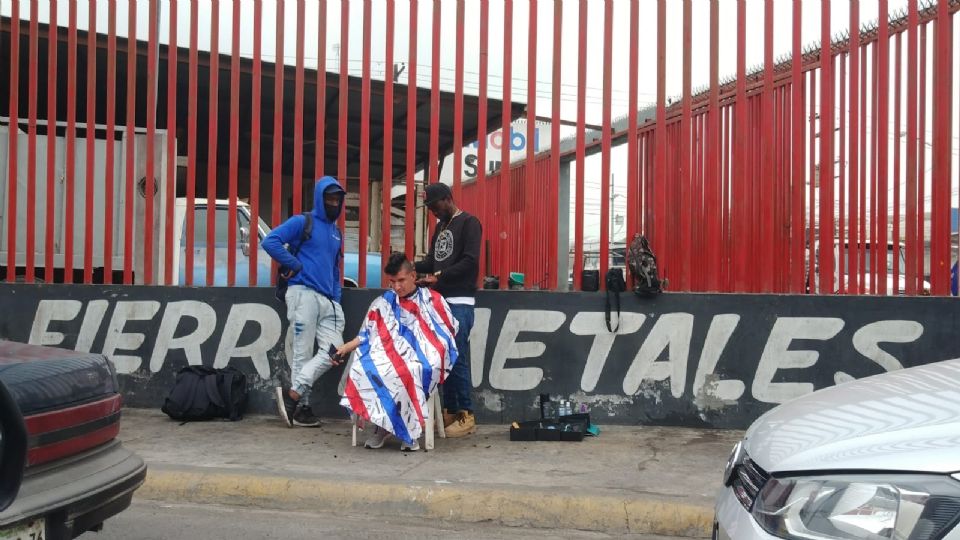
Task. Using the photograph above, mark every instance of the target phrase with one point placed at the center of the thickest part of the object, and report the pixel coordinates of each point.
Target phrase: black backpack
(204, 393)
(281, 292)
(643, 267)
(615, 286)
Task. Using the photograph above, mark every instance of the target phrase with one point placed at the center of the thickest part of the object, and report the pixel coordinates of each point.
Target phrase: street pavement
(148, 520)
(630, 479)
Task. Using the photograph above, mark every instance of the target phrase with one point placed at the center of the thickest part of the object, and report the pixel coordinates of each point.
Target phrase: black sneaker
(304, 417)
(286, 406)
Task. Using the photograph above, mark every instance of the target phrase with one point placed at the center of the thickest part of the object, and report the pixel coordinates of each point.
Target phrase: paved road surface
(147, 520)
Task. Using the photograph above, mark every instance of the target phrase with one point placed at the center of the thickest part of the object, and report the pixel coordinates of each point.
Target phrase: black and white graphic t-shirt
(455, 253)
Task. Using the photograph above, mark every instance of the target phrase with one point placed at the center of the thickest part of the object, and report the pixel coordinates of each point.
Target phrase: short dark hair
(398, 261)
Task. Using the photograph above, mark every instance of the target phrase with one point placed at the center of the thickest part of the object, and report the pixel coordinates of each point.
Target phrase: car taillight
(65, 432)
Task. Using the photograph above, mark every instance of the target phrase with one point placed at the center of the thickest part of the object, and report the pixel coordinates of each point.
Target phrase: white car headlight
(863, 507)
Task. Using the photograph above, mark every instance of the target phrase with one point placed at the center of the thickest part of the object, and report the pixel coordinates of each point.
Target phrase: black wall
(680, 359)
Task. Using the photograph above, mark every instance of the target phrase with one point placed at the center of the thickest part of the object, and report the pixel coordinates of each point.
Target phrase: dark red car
(62, 469)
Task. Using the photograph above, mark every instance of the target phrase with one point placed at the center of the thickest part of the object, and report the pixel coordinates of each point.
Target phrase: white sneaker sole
(406, 448)
(281, 409)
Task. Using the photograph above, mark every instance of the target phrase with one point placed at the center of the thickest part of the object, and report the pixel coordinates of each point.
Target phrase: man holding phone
(313, 297)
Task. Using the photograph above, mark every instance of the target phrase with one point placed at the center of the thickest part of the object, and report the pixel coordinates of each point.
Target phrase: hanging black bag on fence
(615, 286)
(205, 393)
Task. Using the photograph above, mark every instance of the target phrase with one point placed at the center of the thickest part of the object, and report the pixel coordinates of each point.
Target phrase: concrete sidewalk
(629, 479)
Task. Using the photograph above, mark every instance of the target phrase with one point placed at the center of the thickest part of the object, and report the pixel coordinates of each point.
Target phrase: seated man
(406, 347)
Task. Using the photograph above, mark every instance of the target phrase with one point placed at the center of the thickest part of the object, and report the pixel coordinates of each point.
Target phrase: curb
(511, 507)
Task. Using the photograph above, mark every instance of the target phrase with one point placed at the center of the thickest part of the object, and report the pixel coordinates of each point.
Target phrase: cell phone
(332, 352)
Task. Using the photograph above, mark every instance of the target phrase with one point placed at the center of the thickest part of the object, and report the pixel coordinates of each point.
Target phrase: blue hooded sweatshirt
(317, 264)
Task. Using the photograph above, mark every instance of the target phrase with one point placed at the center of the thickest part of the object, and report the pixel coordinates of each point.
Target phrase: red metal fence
(805, 175)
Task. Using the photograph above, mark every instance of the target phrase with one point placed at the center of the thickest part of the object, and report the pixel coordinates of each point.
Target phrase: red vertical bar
(482, 132)
(385, 212)
(785, 194)
(411, 143)
(31, 248)
(234, 149)
(922, 232)
(660, 138)
(458, 105)
(49, 247)
(862, 245)
(554, 178)
(296, 184)
(883, 143)
(913, 248)
(320, 147)
(740, 153)
(212, 134)
(768, 144)
(853, 238)
(434, 166)
(278, 119)
(606, 141)
(171, 179)
(14, 131)
(686, 200)
(725, 254)
(212, 141)
(942, 127)
(256, 93)
(841, 232)
(713, 202)
(797, 158)
(633, 142)
(72, 144)
(812, 276)
(874, 207)
(342, 141)
(896, 167)
(364, 146)
(581, 145)
(192, 145)
(505, 178)
(150, 166)
(826, 151)
(532, 217)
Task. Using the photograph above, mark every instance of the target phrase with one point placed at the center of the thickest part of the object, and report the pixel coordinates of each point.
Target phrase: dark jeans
(457, 387)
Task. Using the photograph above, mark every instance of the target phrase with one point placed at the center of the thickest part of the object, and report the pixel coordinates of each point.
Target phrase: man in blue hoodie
(313, 296)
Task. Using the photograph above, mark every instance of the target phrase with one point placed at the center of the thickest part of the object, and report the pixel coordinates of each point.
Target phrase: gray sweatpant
(313, 317)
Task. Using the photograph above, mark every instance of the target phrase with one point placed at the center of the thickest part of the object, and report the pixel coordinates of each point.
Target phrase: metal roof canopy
(331, 107)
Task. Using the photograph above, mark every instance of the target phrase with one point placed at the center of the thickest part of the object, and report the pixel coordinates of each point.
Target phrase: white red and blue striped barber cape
(406, 348)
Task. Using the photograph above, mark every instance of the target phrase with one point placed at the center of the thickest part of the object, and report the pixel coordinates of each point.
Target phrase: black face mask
(333, 212)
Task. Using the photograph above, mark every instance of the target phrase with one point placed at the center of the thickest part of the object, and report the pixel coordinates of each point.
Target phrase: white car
(876, 458)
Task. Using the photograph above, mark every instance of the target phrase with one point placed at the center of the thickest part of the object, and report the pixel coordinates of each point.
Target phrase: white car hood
(907, 420)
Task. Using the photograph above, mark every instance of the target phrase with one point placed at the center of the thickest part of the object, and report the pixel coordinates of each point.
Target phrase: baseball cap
(436, 192)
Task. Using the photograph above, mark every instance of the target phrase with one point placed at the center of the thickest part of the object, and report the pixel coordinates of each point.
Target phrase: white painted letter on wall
(777, 355)
(515, 322)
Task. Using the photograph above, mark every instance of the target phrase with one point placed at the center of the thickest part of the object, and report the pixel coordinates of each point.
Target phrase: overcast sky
(647, 83)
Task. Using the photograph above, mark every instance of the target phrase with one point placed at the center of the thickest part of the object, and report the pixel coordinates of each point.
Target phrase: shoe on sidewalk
(304, 417)
(377, 438)
(415, 447)
(286, 406)
(448, 417)
(465, 425)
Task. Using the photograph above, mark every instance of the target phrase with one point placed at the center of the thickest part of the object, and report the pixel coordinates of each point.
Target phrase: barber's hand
(343, 351)
(427, 281)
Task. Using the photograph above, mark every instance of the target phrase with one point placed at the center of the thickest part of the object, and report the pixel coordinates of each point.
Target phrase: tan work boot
(464, 425)
(448, 418)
